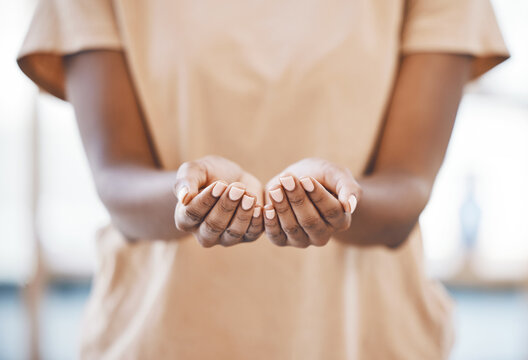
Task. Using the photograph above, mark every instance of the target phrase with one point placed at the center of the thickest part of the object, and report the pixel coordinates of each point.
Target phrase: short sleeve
(454, 26)
(62, 27)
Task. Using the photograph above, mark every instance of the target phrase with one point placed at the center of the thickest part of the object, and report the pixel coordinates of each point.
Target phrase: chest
(270, 41)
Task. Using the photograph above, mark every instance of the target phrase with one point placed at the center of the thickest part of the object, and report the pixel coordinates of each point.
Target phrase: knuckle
(300, 244)
(270, 223)
(317, 196)
(281, 210)
(254, 231)
(311, 223)
(279, 241)
(320, 232)
(227, 206)
(193, 214)
(276, 237)
(273, 231)
(226, 241)
(251, 235)
(244, 217)
(183, 226)
(212, 226)
(292, 230)
(254, 235)
(206, 242)
(297, 200)
(206, 201)
(255, 228)
(234, 233)
(333, 213)
(320, 241)
(249, 238)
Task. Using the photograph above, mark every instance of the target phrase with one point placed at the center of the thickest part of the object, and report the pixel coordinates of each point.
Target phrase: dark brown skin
(136, 192)
(139, 194)
(412, 148)
(420, 119)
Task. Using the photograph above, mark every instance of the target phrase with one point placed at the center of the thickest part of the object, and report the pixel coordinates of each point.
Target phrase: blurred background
(475, 226)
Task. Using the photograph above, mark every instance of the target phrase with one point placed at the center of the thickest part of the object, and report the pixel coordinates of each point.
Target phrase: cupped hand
(218, 202)
(309, 202)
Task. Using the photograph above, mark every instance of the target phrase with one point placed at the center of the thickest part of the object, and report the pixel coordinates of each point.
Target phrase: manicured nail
(270, 214)
(277, 195)
(236, 193)
(256, 212)
(307, 184)
(288, 183)
(247, 202)
(352, 201)
(182, 193)
(218, 189)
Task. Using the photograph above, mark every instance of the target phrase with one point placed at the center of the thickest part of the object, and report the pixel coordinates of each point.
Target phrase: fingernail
(277, 195)
(352, 201)
(247, 202)
(256, 212)
(182, 193)
(270, 214)
(236, 193)
(307, 184)
(218, 189)
(288, 183)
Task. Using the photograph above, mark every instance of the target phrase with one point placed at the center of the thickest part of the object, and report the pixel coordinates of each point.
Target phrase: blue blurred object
(61, 312)
(490, 325)
(13, 324)
(470, 215)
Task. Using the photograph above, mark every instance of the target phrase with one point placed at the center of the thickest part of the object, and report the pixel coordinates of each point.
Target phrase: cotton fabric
(265, 84)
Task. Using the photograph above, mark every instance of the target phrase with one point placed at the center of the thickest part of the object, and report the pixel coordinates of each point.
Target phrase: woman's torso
(265, 84)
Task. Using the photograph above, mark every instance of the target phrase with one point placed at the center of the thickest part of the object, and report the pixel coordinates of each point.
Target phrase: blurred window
(476, 218)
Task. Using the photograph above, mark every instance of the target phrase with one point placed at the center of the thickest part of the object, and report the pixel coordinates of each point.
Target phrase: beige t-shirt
(264, 83)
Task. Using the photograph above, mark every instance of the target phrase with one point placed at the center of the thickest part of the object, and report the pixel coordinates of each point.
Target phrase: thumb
(348, 191)
(190, 178)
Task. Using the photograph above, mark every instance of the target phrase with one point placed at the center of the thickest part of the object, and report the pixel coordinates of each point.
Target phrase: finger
(289, 224)
(273, 228)
(342, 182)
(305, 212)
(190, 177)
(272, 184)
(254, 187)
(256, 226)
(239, 223)
(187, 217)
(328, 206)
(217, 220)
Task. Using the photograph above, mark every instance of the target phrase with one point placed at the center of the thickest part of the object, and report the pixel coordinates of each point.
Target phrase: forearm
(389, 209)
(136, 192)
(412, 147)
(140, 201)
